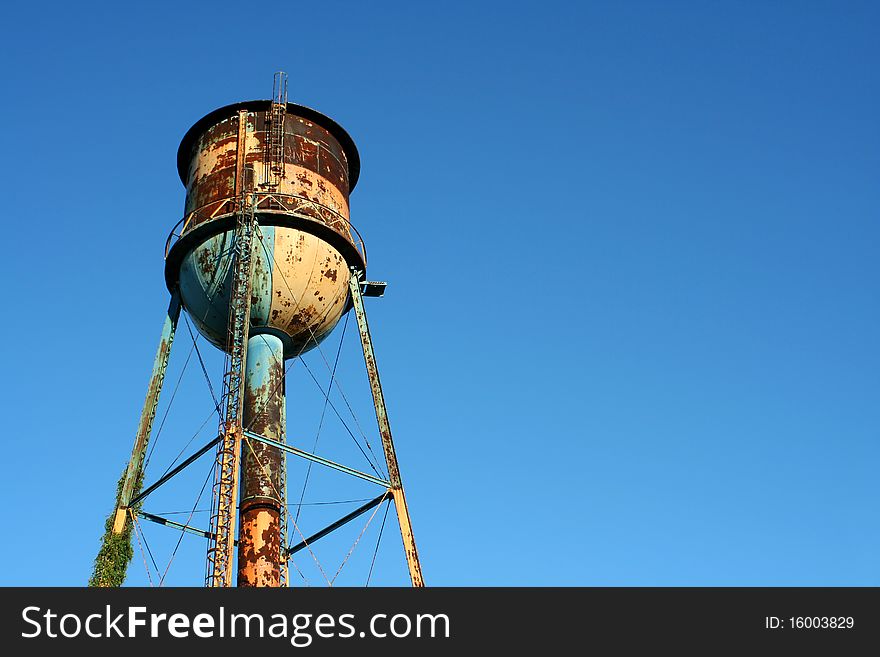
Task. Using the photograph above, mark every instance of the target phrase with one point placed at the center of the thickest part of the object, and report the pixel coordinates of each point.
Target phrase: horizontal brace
(317, 459)
(336, 525)
(173, 472)
(159, 520)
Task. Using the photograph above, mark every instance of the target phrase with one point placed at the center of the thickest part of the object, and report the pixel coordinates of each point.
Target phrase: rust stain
(259, 554)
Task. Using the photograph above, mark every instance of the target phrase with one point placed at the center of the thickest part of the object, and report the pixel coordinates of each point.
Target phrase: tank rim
(184, 151)
(203, 232)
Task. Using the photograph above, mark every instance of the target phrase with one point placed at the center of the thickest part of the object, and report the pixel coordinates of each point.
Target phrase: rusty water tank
(306, 245)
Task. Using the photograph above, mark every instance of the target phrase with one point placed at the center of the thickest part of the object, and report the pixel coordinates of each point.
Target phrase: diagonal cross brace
(336, 525)
(176, 470)
(317, 459)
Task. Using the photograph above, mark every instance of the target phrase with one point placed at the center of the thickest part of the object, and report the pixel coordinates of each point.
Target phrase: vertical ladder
(273, 158)
(225, 502)
(284, 579)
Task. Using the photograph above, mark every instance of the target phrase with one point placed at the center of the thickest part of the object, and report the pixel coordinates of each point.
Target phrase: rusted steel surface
(344, 147)
(259, 548)
(240, 152)
(406, 532)
(301, 273)
(148, 414)
(275, 209)
(299, 287)
(315, 165)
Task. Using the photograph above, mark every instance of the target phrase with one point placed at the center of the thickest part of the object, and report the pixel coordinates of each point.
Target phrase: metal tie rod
(159, 520)
(318, 459)
(336, 525)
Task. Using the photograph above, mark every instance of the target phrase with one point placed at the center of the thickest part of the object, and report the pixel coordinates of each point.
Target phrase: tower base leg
(406, 533)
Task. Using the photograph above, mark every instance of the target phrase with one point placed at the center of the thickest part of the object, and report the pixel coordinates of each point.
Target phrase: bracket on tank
(373, 288)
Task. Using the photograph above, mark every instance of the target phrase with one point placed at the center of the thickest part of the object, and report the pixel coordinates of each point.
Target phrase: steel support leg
(409, 541)
(136, 464)
(259, 542)
(224, 506)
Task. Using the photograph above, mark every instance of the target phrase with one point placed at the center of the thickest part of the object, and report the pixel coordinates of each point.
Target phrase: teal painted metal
(317, 459)
(298, 289)
(264, 271)
(136, 463)
(206, 283)
(159, 520)
(403, 519)
(373, 374)
(263, 414)
(261, 506)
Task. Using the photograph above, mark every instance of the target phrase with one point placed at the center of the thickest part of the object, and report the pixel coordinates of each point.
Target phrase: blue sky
(630, 336)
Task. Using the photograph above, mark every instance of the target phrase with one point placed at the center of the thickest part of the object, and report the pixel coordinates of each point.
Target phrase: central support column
(259, 541)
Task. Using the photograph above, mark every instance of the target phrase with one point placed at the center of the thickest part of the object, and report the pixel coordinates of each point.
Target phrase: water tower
(265, 262)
